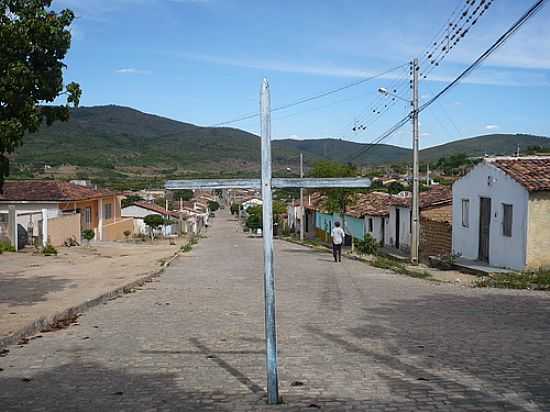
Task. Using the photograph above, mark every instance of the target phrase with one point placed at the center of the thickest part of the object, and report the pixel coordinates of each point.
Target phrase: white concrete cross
(266, 183)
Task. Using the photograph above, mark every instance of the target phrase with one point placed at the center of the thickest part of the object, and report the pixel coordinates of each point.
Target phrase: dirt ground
(33, 286)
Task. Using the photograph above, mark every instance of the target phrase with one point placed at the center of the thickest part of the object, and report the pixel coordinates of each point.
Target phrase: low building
(58, 202)
(139, 210)
(501, 213)
(400, 214)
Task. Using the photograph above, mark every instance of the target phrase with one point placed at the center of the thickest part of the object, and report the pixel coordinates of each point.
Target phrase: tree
(88, 234)
(154, 222)
(34, 42)
(254, 219)
(213, 205)
(337, 199)
(184, 195)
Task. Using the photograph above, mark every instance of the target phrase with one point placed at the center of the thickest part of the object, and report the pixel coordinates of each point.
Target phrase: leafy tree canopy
(34, 41)
(337, 199)
(154, 221)
(131, 199)
(184, 195)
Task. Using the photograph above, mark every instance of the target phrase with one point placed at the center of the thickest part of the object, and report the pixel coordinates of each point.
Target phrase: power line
(311, 98)
(500, 41)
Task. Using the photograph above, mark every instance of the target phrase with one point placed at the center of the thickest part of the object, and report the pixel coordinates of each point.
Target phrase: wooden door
(484, 228)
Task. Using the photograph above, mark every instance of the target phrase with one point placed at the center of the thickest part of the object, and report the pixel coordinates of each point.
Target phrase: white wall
(508, 252)
(404, 228)
(376, 227)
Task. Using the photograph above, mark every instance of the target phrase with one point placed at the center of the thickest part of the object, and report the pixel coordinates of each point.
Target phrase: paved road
(351, 338)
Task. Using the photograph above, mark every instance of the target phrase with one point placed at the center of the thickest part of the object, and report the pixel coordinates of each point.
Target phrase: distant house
(373, 208)
(400, 214)
(139, 210)
(501, 213)
(69, 208)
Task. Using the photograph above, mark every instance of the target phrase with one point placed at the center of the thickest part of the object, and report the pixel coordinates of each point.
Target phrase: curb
(46, 322)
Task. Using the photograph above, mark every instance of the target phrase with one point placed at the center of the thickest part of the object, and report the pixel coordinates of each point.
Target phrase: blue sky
(202, 61)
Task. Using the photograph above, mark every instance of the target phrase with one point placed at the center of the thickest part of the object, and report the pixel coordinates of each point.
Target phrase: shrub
(88, 234)
(235, 207)
(368, 246)
(186, 248)
(49, 250)
(213, 205)
(127, 234)
(538, 280)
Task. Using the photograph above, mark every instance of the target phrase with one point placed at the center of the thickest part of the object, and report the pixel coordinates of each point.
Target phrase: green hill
(113, 143)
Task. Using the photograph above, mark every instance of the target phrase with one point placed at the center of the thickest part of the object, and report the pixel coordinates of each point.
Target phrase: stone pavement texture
(351, 337)
(36, 286)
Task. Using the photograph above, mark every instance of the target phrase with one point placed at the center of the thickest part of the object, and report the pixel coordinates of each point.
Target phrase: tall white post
(44, 227)
(100, 219)
(12, 226)
(302, 212)
(269, 279)
(415, 200)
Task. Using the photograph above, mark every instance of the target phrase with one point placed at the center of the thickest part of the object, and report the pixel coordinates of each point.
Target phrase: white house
(139, 210)
(398, 234)
(501, 213)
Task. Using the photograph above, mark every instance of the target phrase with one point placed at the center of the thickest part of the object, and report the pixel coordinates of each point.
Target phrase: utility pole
(415, 230)
(302, 211)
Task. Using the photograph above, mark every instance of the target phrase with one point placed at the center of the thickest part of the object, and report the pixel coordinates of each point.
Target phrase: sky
(202, 62)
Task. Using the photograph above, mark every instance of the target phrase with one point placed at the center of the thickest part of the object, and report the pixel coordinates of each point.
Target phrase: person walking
(338, 236)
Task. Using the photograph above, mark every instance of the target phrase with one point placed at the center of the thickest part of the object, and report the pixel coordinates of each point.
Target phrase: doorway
(484, 228)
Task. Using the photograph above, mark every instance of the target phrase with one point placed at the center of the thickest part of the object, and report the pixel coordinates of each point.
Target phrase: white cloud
(491, 127)
(132, 70)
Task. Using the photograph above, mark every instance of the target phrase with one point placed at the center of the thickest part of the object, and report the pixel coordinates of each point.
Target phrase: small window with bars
(108, 211)
(370, 225)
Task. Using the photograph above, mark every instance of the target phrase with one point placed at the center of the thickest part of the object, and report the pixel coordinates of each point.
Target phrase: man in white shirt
(338, 236)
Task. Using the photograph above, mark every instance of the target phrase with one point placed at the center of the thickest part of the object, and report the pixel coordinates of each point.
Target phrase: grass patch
(6, 247)
(49, 250)
(383, 262)
(186, 248)
(539, 280)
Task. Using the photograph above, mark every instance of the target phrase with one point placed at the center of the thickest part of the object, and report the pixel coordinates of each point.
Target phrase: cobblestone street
(351, 337)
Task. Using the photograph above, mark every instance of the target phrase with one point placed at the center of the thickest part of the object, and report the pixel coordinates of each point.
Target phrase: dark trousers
(337, 252)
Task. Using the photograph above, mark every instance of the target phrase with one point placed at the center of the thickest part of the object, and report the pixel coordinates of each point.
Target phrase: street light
(414, 117)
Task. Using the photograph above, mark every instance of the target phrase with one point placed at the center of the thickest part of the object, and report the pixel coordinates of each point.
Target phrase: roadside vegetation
(6, 247)
(539, 280)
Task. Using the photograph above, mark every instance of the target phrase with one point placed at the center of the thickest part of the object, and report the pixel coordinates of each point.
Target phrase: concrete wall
(538, 234)
(377, 229)
(488, 181)
(404, 228)
(115, 231)
(62, 228)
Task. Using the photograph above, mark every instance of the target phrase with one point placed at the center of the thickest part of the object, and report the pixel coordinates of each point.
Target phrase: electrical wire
(311, 98)
(500, 41)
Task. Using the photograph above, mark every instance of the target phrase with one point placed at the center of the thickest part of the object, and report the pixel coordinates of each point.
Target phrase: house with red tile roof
(501, 213)
(139, 210)
(97, 209)
(399, 228)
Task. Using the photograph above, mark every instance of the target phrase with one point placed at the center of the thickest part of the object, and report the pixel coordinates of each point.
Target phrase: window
(88, 216)
(507, 217)
(370, 225)
(108, 211)
(465, 213)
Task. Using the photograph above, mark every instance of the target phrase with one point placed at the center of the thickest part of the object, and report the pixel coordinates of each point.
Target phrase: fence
(115, 230)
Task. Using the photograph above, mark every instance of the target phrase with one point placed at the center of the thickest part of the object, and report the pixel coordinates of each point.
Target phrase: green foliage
(49, 250)
(537, 280)
(88, 234)
(368, 246)
(186, 248)
(131, 199)
(395, 187)
(6, 247)
(383, 262)
(184, 195)
(213, 205)
(34, 41)
(154, 221)
(254, 219)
